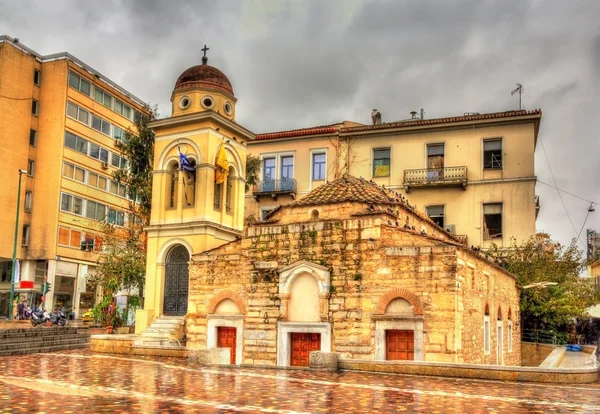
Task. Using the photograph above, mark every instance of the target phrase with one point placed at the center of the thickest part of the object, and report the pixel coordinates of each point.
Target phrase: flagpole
(14, 255)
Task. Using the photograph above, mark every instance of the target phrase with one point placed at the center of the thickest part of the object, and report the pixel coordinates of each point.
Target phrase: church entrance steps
(165, 331)
(42, 339)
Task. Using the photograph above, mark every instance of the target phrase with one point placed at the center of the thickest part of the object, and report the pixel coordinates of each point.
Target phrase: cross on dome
(204, 58)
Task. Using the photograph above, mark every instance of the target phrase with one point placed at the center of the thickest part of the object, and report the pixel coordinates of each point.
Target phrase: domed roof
(204, 76)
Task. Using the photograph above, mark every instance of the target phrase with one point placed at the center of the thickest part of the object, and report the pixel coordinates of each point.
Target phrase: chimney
(376, 117)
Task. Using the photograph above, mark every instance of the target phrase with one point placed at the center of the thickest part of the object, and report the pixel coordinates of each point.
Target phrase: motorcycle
(59, 318)
(40, 317)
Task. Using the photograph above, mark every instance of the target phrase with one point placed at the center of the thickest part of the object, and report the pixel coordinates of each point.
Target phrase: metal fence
(537, 336)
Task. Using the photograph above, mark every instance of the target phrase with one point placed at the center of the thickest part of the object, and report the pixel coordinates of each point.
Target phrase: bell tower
(197, 188)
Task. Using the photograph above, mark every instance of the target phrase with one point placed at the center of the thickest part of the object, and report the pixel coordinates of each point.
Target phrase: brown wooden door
(302, 344)
(226, 339)
(399, 345)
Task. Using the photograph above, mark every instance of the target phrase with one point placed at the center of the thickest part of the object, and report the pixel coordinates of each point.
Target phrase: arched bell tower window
(229, 200)
(172, 184)
(189, 185)
(218, 196)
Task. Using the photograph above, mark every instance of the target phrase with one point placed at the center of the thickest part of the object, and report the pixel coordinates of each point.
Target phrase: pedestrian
(21, 310)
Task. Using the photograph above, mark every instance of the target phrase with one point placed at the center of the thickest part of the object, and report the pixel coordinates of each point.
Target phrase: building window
(77, 82)
(492, 154)
(73, 172)
(98, 153)
(97, 181)
(77, 143)
(217, 200)
(381, 162)
(30, 168)
(80, 114)
(509, 332)
(102, 97)
(34, 107)
(101, 125)
(122, 109)
(118, 160)
(486, 335)
(71, 204)
(435, 156)
(319, 166)
(492, 221)
(116, 217)
(95, 211)
(25, 237)
(229, 193)
(28, 201)
(118, 189)
(264, 212)
(37, 75)
(287, 166)
(117, 133)
(32, 137)
(436, 213)
(268, 169)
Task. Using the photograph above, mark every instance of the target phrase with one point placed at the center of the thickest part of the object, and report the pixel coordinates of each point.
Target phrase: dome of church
(204, 76)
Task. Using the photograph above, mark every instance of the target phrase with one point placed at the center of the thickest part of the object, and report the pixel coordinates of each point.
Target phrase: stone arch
(166, 247)
(314, 215)
(399, 293)
(499, 313)
(288, 273)
(226, 294)
(164, 156)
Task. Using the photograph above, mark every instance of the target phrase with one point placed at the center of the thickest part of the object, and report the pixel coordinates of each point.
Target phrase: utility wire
(566, 192)
(583, 225)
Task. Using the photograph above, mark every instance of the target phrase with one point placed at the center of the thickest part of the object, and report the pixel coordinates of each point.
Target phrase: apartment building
(59, 121)
(473, 174)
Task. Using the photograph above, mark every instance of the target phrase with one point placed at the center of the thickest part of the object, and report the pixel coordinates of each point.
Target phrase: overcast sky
(302, 63)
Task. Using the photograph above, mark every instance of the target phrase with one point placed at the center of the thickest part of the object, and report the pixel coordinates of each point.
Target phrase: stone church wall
(369, 262)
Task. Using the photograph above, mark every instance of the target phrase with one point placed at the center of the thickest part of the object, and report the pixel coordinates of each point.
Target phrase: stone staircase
(42, 339)
(164, 332)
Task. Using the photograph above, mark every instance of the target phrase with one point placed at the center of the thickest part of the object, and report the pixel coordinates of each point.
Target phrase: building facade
(59, 121)
(482, 164)
(351, 268)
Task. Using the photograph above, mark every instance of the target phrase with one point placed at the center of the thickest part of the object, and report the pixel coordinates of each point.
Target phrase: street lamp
(14, 256)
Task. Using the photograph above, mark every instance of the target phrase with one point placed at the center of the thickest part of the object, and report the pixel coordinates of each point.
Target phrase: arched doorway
(176, 281)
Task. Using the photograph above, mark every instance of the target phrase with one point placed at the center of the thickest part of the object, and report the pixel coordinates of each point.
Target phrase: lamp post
(14, 255)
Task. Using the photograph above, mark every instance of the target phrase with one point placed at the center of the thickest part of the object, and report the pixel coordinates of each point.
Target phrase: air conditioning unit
(450, 228)
(105, 165)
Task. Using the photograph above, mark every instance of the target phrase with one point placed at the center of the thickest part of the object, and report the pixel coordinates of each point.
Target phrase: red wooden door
(399, 345)
(302, 344)
(226, 339)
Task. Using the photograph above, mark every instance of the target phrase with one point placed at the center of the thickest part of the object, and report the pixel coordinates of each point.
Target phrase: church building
(351, 268)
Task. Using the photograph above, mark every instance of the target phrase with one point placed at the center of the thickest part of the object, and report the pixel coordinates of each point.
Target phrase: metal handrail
(278, 186)
(435, 175)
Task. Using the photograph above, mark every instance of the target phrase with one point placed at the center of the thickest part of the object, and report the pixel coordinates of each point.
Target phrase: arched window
(499, 313)
(229, 199)
(314, 215)
(172, 184)
(486, 331)
(217, 201)
(189, 185)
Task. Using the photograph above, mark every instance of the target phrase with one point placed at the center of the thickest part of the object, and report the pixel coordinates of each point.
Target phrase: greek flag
(184, 163)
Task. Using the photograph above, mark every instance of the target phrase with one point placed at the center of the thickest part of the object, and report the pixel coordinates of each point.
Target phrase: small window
(492, 154)
(217, 198)
(381, 162)
(208, 102)
(492, 221)
(75, 239)
(287, 167)
(32, 137)
(63, 236)
(184, 102)
(95, 211)
(268, 169)
(102, 97)
(30, 168)
(264, 213)
(435, 156)
(436, 213)
(509, 332)
(117, 133)
(34, 107)
(77, 82)
(319, 167)
(116, 217)
(486, 335)
(25, 238)
(101, 125)
(37, 75)
(28, 201)
(228, 108)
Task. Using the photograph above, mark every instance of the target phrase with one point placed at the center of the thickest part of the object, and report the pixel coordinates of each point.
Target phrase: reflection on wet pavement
(82, 382)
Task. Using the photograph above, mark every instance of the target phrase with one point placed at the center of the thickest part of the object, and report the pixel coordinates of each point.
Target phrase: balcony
(435, 177)
(275, 188)
(537, 206)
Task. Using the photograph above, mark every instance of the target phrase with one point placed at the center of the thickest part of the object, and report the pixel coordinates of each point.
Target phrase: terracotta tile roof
(466, 118)
(350, 189)
(316, 130)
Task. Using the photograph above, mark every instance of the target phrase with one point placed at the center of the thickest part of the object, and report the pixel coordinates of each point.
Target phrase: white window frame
(487, 336)
(278, 156)
(28, 203)
(500, 343)
(509, 333)
(483, 141)
(30, 168)
(25, 236)
(373, 161)
(313, 152)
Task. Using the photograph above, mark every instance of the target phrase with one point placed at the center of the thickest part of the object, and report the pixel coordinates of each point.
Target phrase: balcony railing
(436, 177)
(275, 188)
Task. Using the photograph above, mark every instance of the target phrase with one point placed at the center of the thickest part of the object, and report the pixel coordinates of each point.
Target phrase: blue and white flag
(184, 163)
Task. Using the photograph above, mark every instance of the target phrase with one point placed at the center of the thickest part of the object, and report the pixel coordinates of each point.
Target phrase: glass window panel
(437, 149)
(93, 180)
(103, 155)
(75, 238)
(108, 100)
(102, 183)
(114, 187)
(117, 132)
(122, 190)
(77, 205)
(492, 145)
(66, 203)
(79, 174)
(105, 127)
(32, 137)
(69, 140)
(84, 116)
(120, 218)
(71, 110)
(90, 209)
(118, 106)
(94, 151)
(85, 87)
(82, 145)
(68, 170)
(98, 95)
(100, 212)
(96, 123)
(63, 236)
(73, 80)
(126, 111)
(112, 216)
(495, 208)
(435, 211)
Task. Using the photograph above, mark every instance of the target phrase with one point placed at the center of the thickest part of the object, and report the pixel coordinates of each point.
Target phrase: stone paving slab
(79, 381)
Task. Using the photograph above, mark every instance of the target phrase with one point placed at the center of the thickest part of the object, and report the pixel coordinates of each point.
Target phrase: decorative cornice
(199, 117)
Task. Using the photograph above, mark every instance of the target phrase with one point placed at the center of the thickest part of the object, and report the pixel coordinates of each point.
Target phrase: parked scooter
(59, 318)
(40, 317)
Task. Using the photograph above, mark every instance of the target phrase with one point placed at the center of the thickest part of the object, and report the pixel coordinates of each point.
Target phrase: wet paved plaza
(82, 382)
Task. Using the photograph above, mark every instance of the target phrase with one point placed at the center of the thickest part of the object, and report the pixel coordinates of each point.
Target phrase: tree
(122, 266)
(539, 259)
(253, 164)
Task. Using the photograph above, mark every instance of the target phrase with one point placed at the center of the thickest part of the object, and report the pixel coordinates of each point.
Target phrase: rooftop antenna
(519, 89)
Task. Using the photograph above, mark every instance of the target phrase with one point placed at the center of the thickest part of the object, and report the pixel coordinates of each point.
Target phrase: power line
(566, 192)
(557, 190)
(583, 225)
